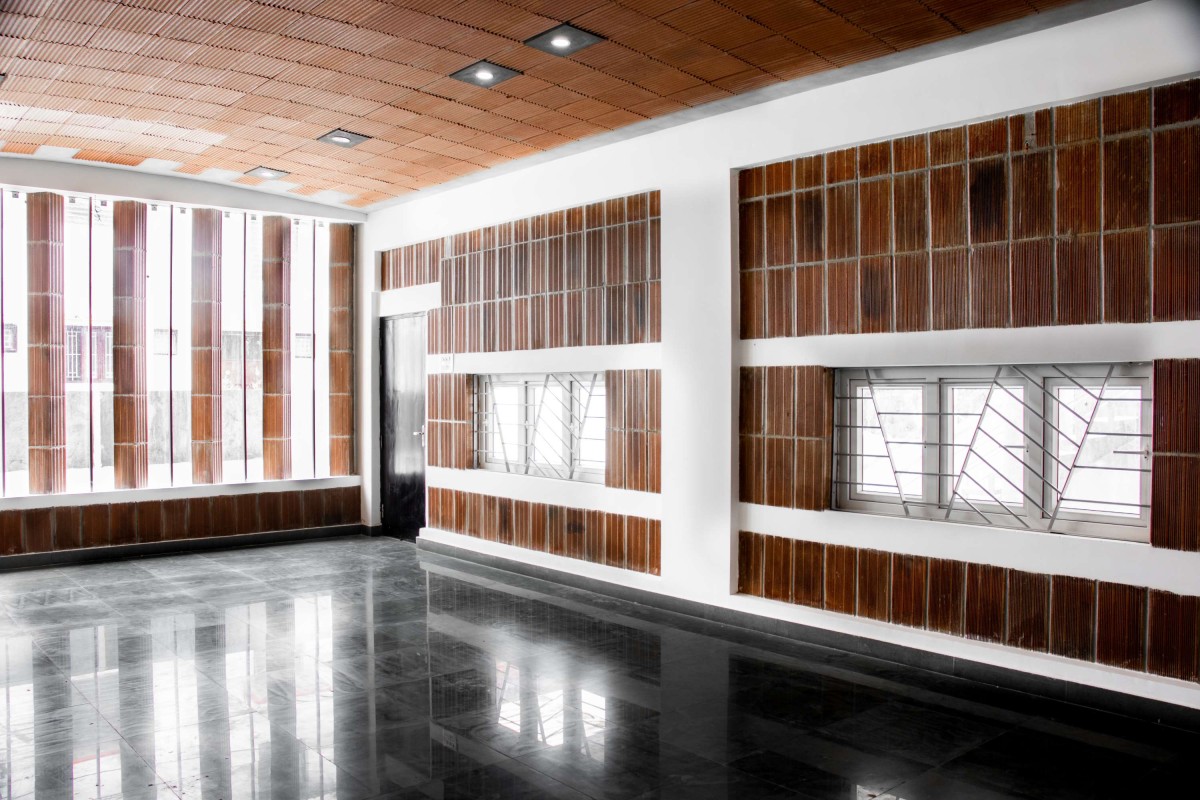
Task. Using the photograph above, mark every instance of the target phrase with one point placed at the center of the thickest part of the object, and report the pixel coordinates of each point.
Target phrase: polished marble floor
(362, 668)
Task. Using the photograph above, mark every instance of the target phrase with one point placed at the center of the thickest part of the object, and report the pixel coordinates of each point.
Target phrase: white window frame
(1038, 508)
(586, 403)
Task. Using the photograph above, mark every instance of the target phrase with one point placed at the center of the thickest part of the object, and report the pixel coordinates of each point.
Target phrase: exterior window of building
(549, 425)
(89, 301)
(1056, 448)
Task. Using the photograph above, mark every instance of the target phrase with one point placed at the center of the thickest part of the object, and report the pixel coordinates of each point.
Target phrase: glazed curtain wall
(153, 345)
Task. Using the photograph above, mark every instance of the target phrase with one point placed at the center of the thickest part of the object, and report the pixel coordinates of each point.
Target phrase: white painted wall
(692, 165)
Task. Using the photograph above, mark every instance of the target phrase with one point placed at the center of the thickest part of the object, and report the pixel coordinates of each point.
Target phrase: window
(165, 345)
(1059, 448)
(548, 425)
(165, 339)
(303, 346)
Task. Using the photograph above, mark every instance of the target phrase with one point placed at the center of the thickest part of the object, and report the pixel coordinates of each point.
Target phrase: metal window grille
(303, 347)
(76, 337)
(1053, 448)
(549, 425)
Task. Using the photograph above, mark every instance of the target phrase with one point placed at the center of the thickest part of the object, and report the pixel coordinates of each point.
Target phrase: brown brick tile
(1172, 645)
(876, 294)
(990, 292)
(808, 573)
(874, 584)
(1127, 276)
(985, 603)
(1176, 278)
(1121, 626)
(1033, 292)
(1176, 388)
(908, 590)
(1079, 281)
(1072, 617)
(841, 572)
(750, 563)
(1028, 610)
(946, 588)
(777, 568)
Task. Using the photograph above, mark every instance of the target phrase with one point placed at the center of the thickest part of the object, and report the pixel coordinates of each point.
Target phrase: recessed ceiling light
(266, 172)
(485, 74)
(563, 40)
(343, 138)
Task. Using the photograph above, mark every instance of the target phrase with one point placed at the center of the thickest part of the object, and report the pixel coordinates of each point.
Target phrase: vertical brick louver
(341, 346)
(206, 346)
(47, 345)
(277, 347)
(131, 454)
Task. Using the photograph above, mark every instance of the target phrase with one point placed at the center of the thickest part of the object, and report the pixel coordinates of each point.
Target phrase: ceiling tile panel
(227, 85)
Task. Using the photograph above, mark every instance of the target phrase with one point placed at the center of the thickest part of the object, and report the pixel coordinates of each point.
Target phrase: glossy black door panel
(402, 419)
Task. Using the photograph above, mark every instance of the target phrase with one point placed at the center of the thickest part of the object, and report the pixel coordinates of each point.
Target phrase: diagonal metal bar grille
(1057, 448)
(550, 425)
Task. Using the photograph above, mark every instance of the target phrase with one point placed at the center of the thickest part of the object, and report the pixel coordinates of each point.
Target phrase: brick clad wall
(633, 434)
(1175, 475)
(616, 540)
(42, 530)
(589, 275)
(1082, 213)
(1118, 625)
(786, 436)
(448, 436)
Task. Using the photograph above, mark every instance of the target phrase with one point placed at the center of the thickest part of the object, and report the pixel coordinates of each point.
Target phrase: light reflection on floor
(359, 669)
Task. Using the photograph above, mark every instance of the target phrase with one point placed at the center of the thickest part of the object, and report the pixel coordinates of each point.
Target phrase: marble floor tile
(361, 669)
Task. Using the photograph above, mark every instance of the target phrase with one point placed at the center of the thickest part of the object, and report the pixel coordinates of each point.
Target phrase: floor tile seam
(125, 739)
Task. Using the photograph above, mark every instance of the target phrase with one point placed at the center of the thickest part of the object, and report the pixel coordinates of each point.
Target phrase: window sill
(176, 492)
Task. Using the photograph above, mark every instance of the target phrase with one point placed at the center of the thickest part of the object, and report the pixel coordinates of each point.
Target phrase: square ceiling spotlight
(343, 138)
(485, 74)
(267, 173)
(563, 40)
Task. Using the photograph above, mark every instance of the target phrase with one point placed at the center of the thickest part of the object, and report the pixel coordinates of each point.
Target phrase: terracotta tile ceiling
(217, 87)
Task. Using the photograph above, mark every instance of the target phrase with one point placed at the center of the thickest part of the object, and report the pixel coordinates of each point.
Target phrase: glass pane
(254, 359)
(987, 446)
(16, 346)
(76, 257)
(591, 440)
(233, 397)
(181, 357)
(894, 412)
(321, 352)
(550, 454)
(504, 424)
(302, 348)
(161, 340)
(1107, 476)
(104, 470)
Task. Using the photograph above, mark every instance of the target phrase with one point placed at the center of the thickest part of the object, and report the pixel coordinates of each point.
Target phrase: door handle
(421, 433)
